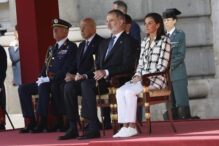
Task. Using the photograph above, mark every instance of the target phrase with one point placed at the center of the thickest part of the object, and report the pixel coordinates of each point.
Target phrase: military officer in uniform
(179, 96)
(59, 60)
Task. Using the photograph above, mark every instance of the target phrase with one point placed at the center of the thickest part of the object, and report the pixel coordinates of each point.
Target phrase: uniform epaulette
(179, 30)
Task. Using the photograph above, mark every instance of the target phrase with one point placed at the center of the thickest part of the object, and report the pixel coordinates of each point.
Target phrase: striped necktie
(110, 46)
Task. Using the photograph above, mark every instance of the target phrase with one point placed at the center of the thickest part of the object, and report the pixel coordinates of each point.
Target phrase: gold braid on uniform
(48, 58)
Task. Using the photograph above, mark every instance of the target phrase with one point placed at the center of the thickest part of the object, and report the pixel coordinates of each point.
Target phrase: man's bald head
(88, 28)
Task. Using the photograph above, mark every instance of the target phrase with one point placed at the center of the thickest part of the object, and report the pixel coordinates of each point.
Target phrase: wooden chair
(151, 97)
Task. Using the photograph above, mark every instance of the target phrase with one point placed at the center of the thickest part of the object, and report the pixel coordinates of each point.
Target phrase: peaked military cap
(171, 13)
(57, 22)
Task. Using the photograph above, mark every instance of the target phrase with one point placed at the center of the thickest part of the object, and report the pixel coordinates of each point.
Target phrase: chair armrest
(145, 78)
(145, 82)
(155, 74)
(114, 80)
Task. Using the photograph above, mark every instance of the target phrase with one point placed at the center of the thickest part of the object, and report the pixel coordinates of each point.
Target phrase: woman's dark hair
(158, 20)
(15, 27)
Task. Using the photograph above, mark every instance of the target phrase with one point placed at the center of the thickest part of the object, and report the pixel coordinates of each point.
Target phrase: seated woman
(154, 57)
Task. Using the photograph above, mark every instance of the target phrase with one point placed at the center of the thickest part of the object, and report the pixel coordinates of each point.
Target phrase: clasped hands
(70, 77)
(99, 74)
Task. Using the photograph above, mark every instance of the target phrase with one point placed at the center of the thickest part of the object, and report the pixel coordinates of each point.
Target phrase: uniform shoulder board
(49, 48)
(179, 30)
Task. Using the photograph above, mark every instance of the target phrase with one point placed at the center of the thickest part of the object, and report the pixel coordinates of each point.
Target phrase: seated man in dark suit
(73, 81)
(115, 56)
(60, 58)
(3, 68)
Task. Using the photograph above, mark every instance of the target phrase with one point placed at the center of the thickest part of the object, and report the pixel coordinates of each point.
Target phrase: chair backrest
(168, 72)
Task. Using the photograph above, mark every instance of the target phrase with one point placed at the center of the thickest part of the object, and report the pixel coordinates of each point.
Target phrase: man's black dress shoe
(57, 127)
(70, 134)
(89, 135)
(28, 129)
(41, 127)
(86, 128)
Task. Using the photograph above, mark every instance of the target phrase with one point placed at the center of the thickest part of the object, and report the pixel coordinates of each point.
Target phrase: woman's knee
(119, 92)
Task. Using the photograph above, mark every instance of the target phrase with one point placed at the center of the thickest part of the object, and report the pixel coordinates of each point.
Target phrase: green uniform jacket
(178, 44)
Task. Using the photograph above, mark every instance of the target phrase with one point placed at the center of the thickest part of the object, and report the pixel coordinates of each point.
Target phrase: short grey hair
(121, 5)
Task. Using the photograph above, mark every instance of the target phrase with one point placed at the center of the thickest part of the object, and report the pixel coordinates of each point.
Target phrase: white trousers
(127, 102)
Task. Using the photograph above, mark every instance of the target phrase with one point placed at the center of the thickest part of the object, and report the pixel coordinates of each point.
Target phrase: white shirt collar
(90, 39)
(117, 36)
(61, 42)
(171, 31)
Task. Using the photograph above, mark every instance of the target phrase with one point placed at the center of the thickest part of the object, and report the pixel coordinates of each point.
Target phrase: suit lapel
(82, 50)
(172, 37)
(90, 46)
(116, 46)
(153, 43)
(105, 50)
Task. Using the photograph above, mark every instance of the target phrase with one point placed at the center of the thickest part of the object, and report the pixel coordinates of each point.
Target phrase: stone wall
(195, 21)
(199, 21)
(4, 16)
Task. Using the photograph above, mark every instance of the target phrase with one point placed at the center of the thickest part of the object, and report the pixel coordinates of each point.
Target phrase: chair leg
(101, 113)
(82, 124)
(148, 117)
(170, 116)
(114, 117)
(114, 126)
(138, 123)
(138, 127)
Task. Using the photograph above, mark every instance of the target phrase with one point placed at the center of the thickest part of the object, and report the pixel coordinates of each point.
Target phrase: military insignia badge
(62, 52)
(174, 43)
(56, 21)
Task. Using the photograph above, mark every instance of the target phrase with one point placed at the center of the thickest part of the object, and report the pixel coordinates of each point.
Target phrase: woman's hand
(13, 84)
(136, 79)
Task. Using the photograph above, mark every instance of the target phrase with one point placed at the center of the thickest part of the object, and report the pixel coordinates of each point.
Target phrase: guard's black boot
(174, 114)
(183, 112)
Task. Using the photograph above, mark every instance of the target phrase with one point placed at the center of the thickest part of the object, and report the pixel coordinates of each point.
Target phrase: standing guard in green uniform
(179, 96)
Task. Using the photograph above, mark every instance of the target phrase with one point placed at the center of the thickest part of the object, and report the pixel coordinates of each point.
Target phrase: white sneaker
(129, 132)
(121, 132)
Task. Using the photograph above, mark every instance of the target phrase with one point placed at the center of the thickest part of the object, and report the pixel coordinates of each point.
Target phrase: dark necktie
(86, 46)
(110, 46)
(56, 48)
(168, 34)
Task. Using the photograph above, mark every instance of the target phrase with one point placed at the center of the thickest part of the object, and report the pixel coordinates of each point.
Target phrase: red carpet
(190, 133)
